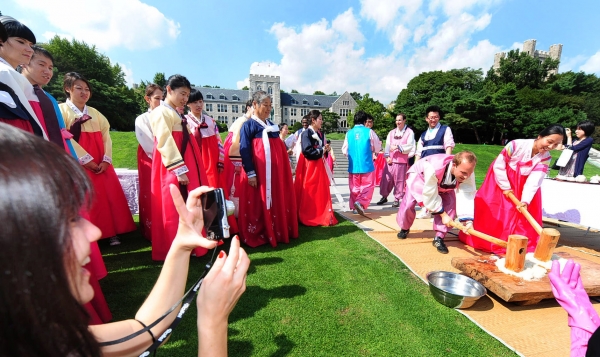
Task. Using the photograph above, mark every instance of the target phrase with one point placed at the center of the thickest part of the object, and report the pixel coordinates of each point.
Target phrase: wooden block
(546, 244)
(512, 289)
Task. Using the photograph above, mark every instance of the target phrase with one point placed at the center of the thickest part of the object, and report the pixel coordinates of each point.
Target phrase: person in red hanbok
(16, 40)
(206, 132)
(90, 129)
(233, 160)
(176, 160)
(329, 155)
(267, 206)
(520, 168)
(39, 72)
(143, 133)
(312, 182)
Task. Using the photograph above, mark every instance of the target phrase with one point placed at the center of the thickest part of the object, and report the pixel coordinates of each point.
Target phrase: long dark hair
(42, 189)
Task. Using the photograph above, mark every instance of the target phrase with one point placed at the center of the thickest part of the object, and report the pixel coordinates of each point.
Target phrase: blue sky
(368, 46)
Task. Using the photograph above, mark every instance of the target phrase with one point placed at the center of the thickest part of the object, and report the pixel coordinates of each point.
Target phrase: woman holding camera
(177, 160)
(45, 244)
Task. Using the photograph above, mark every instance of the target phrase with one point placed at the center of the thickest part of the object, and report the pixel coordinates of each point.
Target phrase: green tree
(332, 94)
(382, 124)
(356, 96)
(160, 79)
(294, 91)
(330, 121)
(318, 92)
(245, 88)
(110, 95)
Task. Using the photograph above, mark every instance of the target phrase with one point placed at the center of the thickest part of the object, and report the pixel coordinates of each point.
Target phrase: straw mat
(535, 330)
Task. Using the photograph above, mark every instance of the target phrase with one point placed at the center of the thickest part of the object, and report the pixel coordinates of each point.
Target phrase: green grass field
(332, 292)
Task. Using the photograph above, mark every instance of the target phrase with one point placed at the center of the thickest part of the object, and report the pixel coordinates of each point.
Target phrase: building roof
(229, 95)
(297, 99)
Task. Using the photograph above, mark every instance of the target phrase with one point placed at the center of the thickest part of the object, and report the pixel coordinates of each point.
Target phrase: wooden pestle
(548, 236)
(516, 247)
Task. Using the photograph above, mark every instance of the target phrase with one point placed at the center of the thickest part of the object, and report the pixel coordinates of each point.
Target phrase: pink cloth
(394, 177)
(361, 188)
(406, 212)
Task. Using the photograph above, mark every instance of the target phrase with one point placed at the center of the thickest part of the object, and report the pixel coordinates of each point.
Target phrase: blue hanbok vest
(360, 158)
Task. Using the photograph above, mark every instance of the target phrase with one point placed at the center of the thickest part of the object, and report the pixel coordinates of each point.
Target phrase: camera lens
(230, 207)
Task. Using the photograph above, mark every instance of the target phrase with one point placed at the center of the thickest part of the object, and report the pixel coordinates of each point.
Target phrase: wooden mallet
(516, 247)
(548, 236)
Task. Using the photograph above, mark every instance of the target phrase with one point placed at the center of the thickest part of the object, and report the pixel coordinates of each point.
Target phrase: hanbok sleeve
(584, 144)
(535, 179)
(388, 140)
(308, 149)
(448, 138)
(143, 133)
(465, 198)
(419, 148)
(500, 164)
(290, 141)
(82, 155)
(105, 130)
(246, 149)
(410, 144)
(162, 127)
(431, 197)
(345, 145)
(375, 142)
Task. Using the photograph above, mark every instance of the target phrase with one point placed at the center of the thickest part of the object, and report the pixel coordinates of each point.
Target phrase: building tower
(271, 85)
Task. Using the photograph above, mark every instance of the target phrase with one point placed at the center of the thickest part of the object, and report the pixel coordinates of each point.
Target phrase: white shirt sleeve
(431, 198)
(448, 138)
(388, 141)
(345, 145)
(410, 144)
(500, 171)
(375, 142)
(533, 183)
(419, 147)
(143, 133)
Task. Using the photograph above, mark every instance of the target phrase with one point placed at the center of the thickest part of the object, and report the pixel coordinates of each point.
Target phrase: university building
(226, 105)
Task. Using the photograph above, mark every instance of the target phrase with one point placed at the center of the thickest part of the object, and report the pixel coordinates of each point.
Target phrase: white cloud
(128, 74)
(571, 63)
(48, 35)
(331, 56)
(109, 23)
(456, 7)
(592, 65)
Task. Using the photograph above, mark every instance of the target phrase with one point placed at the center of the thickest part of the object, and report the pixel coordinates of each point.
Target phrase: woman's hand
(183, 179)
(252, 181)
(191, 222)
(568, 132)
(92, 166)
(102, 167)
(223, 285)
(389, 160)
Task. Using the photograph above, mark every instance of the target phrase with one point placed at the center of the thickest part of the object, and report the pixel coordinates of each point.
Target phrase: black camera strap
(185, 301)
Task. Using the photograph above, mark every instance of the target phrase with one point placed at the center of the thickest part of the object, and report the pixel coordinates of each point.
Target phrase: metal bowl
(454, 290)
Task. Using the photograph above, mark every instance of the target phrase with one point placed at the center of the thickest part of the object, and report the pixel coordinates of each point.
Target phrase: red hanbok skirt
(379, 165)
(312, 193)
(229, 169)
(496, 215)
(97, 309)
(22, 124)
(257, 224)
(210, 159)
(144, 194)
(110, 211)
(165, 219)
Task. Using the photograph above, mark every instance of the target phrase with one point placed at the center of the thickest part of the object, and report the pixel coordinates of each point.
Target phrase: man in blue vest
(437, 139)
(359, 145)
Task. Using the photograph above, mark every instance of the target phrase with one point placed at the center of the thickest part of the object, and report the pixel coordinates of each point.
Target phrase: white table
(572, 202)
(131, 187)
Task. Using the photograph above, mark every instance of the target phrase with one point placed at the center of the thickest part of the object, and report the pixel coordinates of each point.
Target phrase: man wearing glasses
(437, 139)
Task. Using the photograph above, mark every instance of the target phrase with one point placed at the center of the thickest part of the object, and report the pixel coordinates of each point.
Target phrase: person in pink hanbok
(399, 146)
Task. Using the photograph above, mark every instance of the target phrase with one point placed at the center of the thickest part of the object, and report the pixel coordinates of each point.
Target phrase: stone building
(226, 105)
(529, 48)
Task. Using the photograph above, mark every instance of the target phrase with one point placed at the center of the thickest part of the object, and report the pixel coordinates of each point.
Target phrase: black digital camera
(215, 209)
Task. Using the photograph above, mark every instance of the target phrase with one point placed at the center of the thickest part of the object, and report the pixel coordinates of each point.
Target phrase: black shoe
(396, 204)
(382, 201)
(403, 233)
(440, 245)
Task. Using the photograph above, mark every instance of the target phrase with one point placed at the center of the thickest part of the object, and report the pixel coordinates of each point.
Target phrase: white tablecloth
(572, 202)
(131, 187)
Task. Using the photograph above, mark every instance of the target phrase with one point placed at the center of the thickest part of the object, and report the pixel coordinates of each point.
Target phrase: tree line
(515, 101)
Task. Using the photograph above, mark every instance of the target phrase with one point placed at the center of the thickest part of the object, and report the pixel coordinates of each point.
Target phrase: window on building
(209, 107)
(316, 102)
(303, 112)
(235, 97)
(222, 108)
(343, 124)
(221, 96)
(292, 122)
(209, 96)
(345, 102)
(305, 102)
(270, 90)
(294, 101)
(258, 87)
(293, 112)
(285, 111)
(344, 112)
(223, 119)
(234, 108)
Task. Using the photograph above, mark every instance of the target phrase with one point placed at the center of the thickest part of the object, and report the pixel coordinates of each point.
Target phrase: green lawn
(332, 292)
